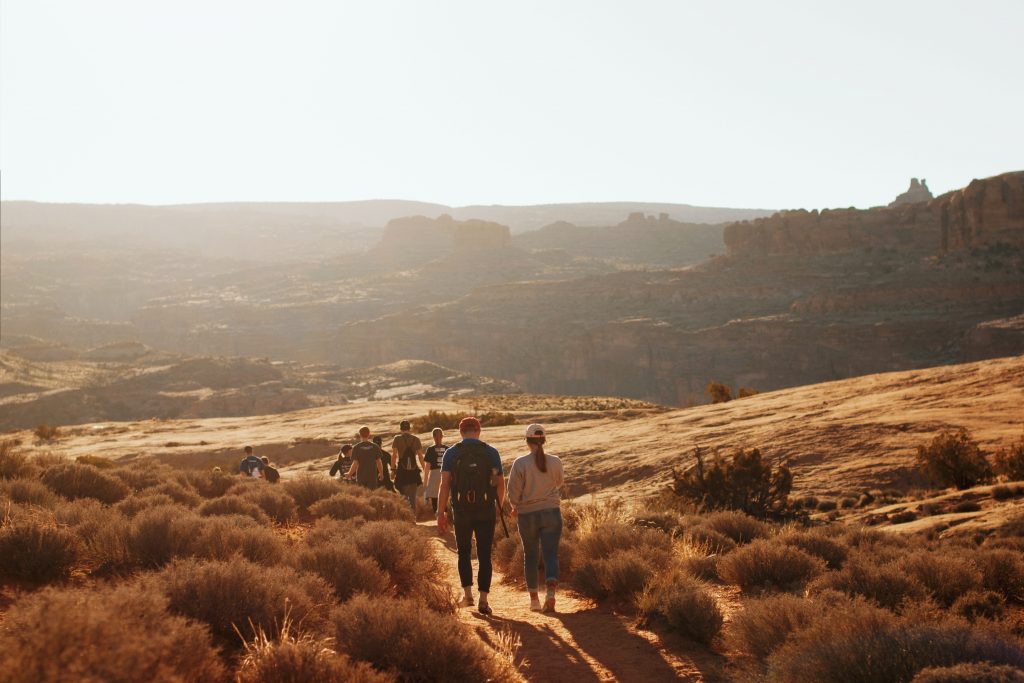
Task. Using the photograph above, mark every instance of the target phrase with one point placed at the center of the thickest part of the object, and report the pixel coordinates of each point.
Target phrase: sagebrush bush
(1002, 571)
(607, 561)
(73, 480)
(387, 505)
(340, 564)
(102, 532)
(386, 632)
(178, 492)
(233, 505)
(746, 482)
(967, 506)
(974, 672)
(14, 464)
(143, 474)
(662, 520)
(220, 538)
(1009, 461)
(137, 502)
(739, 527)
(36, 550)
(45, 432)
(277, 504)
(945, 576)
(818, 543)
(685, 604)
(704, 567)
(29, 492)
(867, 644)
(707, 537)
(1002, 492)
(954, 459)
(210, 483)
(342, 506)
(884, 584)
(827, 505)
(407, 558)
(438, 418)
(764, 623)
(290, 658)
(769, 565)
(979, 605)
(239, 594)
(120, 634)
(159, 534)
(307, 489)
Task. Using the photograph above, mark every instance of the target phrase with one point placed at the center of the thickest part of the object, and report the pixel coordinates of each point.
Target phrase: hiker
(534, 492)
(406, 449)
(344, 462)
(385, 462)
(432, 466)
(366, 458)
(471, 474)
(270, 472)
(251, 466)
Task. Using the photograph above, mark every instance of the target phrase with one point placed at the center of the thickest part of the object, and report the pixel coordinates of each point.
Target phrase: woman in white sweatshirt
(534, 491)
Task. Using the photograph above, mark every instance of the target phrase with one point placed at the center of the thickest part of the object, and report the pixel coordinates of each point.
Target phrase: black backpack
(471, 485)
(406, 470)
(271, 474)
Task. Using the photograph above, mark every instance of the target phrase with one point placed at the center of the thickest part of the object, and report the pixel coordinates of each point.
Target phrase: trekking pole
(501, 513)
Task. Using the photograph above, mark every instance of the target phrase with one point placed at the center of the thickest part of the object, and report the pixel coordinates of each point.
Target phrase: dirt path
(580, 642)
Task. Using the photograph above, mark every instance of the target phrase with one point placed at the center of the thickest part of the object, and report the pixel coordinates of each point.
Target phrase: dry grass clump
(137, 502)
(45, 432)
(438, 418)
(210, 483)
(118, 634)
(764, 623)
(233, 505)
(14, 464)
(221, 538)
(307, 489)
(618, 559)
(73, 480)
(715, 542)
(945, 576)
(979, 605)
(36, 550)
(407, 558)
(387, 505)
(301, 658)
(143, 474)
(237, 594)
(158, 535)
(342, 566)
(974, 672)
(862, 643)
(817, 542)
(1002, 571)
(101, 530)
(388, 632)
(29, 492)
(737, 526)
(684, 603)
(769, 565)
(884, 584)
(1009, 461)
(178, 492)
(342, 506)
(277, 504)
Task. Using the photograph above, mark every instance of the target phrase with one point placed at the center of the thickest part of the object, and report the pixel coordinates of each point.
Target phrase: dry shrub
(36, 550)
(236, 593)
(210, 483)
(29, 492)
(861, 643)
(1002, 492)
(102, 532)
(14, 464)
(979, 605)
(301, 658)
(746, 482)
(177, 492)
(945, 576)
(347, 571)
(974, 672)
(143, 474)
(684, 603)
(764, 624)
(847, 502)
(1002, 571)
(623, 574)
(221, 538)
(954, 459)
(136, 503)
(769, 565)
(307, 489)
(704, 567)
(408, 559)
(618, 559)
(1009, 461)
(903, 517)
(668, 521)
(967, 506)
(827, 505)
(233, 505)
(342, 506)
(120, 634)
(327, 530)
(387, 505)
(715, 542)
(45, 432)
(739, 527)
(508, 557)
(162, 533)
(386, 632)
(72, 481)
(817, 543)
(277, 504)
(883, 584)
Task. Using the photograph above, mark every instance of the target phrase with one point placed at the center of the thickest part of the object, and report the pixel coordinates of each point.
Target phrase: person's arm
(380, 470)
(515, 488)
(423, 462)
(335, 467)
(442, 501)
(501, 490)
(352, 470)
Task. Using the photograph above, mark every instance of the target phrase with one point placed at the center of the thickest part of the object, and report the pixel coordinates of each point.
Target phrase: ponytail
(539, 457)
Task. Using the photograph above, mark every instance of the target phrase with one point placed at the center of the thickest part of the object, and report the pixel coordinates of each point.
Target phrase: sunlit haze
(741, 104)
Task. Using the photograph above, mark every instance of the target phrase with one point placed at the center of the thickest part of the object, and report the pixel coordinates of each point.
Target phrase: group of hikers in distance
(470, 476)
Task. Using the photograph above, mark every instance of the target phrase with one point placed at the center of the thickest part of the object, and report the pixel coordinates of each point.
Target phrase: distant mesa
(917, 192)
(444, 234)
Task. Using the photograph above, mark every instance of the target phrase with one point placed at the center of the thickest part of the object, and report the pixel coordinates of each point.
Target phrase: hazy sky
(745, 104)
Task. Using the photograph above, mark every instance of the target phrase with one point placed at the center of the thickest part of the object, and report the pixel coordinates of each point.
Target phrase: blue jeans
(540, 531)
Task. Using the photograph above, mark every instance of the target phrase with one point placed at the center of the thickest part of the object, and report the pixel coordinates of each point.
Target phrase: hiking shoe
(485, 609)
(535, 604)
(549, 605)
(466, 602)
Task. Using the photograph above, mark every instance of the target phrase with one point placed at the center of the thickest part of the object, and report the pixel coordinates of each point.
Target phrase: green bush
(746, 482)
(685, 603)
(769, 565)
(117, 634)
(954, 459)
(436, 418)
(72, 481)
(36, 551)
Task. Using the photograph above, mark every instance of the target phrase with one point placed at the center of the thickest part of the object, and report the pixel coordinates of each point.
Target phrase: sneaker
(485, 609)
(466, 602)
(535, 604)
(549, 605)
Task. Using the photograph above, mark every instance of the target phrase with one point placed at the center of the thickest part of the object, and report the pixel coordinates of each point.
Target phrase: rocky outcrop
(917, 192)
(443, 234)
(986, 212)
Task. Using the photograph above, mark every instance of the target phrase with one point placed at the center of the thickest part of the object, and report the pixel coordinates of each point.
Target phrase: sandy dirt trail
(580, 642)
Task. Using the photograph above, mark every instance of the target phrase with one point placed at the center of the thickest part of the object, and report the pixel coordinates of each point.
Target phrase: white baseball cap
(534, 430)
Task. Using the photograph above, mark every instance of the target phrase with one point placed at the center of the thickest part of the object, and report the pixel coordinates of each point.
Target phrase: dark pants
(483, 526)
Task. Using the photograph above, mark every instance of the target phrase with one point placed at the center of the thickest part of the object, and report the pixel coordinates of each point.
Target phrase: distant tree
(954, 459)
(1009, 461)
(744, 482)
(719, 393)
(745, 391)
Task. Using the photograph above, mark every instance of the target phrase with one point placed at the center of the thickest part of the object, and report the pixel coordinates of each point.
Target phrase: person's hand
(442, 522)
(514, 513)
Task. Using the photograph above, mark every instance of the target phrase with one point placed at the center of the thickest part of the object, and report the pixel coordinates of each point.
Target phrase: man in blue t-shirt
(471, 473)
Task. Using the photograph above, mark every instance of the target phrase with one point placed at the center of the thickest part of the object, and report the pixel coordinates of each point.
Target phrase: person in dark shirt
(367, 457)
(344, 462)
(385, 479)
(432, 466)
(251, 466)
